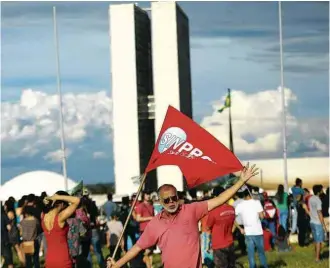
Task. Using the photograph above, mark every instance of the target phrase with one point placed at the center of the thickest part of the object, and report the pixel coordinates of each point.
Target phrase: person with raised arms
(175, 229)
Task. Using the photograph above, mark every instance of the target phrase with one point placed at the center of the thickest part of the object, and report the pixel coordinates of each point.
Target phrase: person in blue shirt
(296, 190)
(109, 207)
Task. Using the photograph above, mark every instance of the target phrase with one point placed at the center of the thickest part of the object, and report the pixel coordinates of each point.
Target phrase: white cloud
(57, 155)
(31, 126)
(99, 155)
(34, 120)
(257, 125)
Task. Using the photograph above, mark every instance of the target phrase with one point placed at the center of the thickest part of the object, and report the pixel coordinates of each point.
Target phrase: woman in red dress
(59, 208)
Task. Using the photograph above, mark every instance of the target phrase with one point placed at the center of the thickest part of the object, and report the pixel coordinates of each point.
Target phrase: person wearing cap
(175, 229)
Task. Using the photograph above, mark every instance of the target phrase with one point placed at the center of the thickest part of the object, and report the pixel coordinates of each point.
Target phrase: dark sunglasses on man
(173, 198)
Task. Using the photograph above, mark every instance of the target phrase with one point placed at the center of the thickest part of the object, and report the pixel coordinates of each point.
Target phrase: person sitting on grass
(282, 240)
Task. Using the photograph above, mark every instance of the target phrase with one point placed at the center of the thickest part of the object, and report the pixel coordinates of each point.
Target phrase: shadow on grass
(325, 255)
(277, 264)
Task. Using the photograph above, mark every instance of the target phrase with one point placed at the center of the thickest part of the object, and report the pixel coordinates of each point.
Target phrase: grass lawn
(298, 258)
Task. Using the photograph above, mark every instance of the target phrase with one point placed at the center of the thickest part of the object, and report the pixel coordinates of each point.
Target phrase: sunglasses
(170, 198)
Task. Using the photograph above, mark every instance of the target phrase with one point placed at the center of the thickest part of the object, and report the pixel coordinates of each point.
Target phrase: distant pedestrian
(319, 229)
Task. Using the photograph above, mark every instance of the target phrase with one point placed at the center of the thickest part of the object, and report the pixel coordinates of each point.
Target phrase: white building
(150, 70)
(171, 71)
(131, 75)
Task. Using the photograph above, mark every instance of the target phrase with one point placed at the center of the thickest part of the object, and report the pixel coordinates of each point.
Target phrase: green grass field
(298, 258)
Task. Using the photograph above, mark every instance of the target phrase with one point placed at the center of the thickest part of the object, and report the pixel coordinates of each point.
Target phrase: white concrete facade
(124, 96)
(166, 74)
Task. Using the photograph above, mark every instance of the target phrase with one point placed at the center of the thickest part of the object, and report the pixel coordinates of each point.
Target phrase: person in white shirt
(239, 236)
(319, 229)
(251, 212)
(115, 228)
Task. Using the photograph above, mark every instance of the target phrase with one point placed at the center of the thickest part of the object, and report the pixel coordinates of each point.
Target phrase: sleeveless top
(57, 245)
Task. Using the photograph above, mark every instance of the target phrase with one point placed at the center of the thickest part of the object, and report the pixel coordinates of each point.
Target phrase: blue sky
(233, 44)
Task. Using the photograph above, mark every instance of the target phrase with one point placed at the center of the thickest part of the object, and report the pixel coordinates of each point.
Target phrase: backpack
(113, 239)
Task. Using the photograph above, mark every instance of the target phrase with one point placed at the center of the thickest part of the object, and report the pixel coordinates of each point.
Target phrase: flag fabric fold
(199, 155)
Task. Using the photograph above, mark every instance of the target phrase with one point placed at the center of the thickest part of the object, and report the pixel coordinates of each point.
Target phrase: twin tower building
(150, 69)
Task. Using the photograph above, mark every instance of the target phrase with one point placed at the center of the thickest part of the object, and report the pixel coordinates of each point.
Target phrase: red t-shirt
(145, 210)
(177, 236)
(221, 221)
(267, 237)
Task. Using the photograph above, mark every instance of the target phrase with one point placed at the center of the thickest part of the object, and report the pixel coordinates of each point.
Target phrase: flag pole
(60, 102)
(142, 179)
(284, 130)
(231, 144)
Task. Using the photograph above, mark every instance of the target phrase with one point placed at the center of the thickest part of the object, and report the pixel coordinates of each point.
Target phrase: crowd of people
(65, 230)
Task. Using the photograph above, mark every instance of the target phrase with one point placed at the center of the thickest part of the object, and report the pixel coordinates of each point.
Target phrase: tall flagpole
(231, 144)
(284, 129)
(60, 102)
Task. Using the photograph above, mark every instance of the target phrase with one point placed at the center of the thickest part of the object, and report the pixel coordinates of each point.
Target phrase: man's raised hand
(248, 172)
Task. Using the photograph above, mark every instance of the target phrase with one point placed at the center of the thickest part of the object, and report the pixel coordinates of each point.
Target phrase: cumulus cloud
(30, 126)
(33, 121)
(99, 155)
(257, 124)
(57, 155)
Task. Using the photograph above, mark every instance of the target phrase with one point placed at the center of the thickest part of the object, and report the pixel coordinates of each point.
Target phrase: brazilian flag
(78, 189)
(227, 103)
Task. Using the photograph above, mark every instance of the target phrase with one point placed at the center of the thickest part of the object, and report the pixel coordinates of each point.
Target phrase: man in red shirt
(144, 211)
(221, 221)
(144, 214)
(175, 229)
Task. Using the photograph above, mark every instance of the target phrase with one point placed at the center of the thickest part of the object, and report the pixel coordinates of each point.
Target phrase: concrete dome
(34, 182)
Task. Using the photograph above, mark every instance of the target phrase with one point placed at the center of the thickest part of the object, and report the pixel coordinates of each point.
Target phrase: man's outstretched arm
(131, 254)
(246, 174)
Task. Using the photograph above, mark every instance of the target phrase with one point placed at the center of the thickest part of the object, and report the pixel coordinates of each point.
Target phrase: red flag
(200, 156)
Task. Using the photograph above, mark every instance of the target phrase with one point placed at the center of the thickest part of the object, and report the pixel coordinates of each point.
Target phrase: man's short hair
(31, 198)
(110, 196)
(166, 186)
(240, 194)
(317, 189)
(246, 193)
(298, 181)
